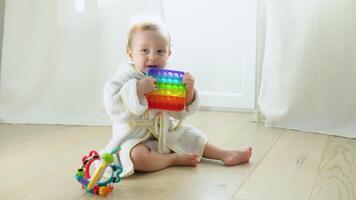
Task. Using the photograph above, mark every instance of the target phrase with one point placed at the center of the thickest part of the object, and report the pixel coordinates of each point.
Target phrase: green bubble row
(164, 86)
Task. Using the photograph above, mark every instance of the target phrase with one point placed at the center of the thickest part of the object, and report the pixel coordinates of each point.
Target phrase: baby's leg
(148, 161)
(229, 158)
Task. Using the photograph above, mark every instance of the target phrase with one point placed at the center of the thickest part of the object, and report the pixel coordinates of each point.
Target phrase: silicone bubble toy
(93, 184)
(170, 93)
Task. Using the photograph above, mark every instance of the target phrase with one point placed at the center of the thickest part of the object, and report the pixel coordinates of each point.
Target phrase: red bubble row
(166, 102)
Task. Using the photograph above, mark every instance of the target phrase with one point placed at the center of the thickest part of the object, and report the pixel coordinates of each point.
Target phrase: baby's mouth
(153, 66)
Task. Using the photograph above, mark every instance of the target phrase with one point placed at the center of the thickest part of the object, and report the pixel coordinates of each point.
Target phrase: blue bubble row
(169, 80)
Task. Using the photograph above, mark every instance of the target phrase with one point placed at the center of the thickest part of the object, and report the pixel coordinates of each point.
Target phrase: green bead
(107, 157)
(80, 172)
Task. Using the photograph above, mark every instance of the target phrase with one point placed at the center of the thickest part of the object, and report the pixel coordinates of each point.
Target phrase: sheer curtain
(309, 66)
(57, 56)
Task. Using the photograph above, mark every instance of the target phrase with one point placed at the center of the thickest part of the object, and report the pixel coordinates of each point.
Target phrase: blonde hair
(147, 23)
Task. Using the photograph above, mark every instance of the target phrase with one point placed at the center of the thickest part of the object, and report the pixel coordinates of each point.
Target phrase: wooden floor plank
(289, 169)
(337, 177)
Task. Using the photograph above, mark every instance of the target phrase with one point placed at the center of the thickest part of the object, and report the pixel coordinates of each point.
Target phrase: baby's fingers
(152, 80)
(188, 76)
(188, 81)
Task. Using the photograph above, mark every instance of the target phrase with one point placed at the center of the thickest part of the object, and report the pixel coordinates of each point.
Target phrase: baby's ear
(169, 53)
(129, 53)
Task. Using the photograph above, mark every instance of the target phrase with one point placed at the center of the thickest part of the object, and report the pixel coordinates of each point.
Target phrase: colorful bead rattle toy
(170, 93)
(93, 184)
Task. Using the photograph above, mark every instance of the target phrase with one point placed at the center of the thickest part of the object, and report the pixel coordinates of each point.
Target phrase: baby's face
(149, 48)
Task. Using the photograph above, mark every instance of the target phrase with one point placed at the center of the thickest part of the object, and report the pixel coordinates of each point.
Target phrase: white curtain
(57, 55)
(309, 66)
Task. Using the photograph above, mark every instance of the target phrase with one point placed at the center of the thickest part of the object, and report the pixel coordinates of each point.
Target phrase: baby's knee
(139, 156)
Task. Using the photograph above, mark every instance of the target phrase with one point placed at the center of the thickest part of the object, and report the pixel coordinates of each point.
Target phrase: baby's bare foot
(189, 159)
(232, 158)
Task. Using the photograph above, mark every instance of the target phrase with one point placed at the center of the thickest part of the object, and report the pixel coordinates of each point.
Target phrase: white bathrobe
(134, 123)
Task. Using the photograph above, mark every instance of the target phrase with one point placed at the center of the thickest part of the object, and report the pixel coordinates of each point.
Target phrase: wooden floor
(40, 161)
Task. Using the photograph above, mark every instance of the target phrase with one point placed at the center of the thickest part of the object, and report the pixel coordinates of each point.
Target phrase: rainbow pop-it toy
(170, 93)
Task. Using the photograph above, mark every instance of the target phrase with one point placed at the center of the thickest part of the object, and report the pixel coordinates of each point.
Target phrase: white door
(216, 42)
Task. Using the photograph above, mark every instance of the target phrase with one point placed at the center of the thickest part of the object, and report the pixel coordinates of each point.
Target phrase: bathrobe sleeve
(188, 110)
(121, 101)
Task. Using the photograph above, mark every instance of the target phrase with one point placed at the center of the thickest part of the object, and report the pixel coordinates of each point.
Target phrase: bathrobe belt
(156, 129)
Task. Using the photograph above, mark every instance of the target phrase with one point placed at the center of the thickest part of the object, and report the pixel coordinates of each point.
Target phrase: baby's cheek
(163, 64)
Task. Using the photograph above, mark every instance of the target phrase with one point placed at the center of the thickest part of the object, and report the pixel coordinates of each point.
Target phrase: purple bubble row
(155, 72)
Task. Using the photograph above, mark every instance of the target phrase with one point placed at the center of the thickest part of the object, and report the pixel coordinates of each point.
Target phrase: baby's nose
(152, 57)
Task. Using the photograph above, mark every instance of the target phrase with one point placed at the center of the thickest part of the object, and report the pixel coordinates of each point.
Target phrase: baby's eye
(161, 51)
(144, 50)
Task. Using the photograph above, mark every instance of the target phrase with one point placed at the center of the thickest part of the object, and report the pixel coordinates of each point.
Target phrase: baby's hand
(145, 85)
(188, 80)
